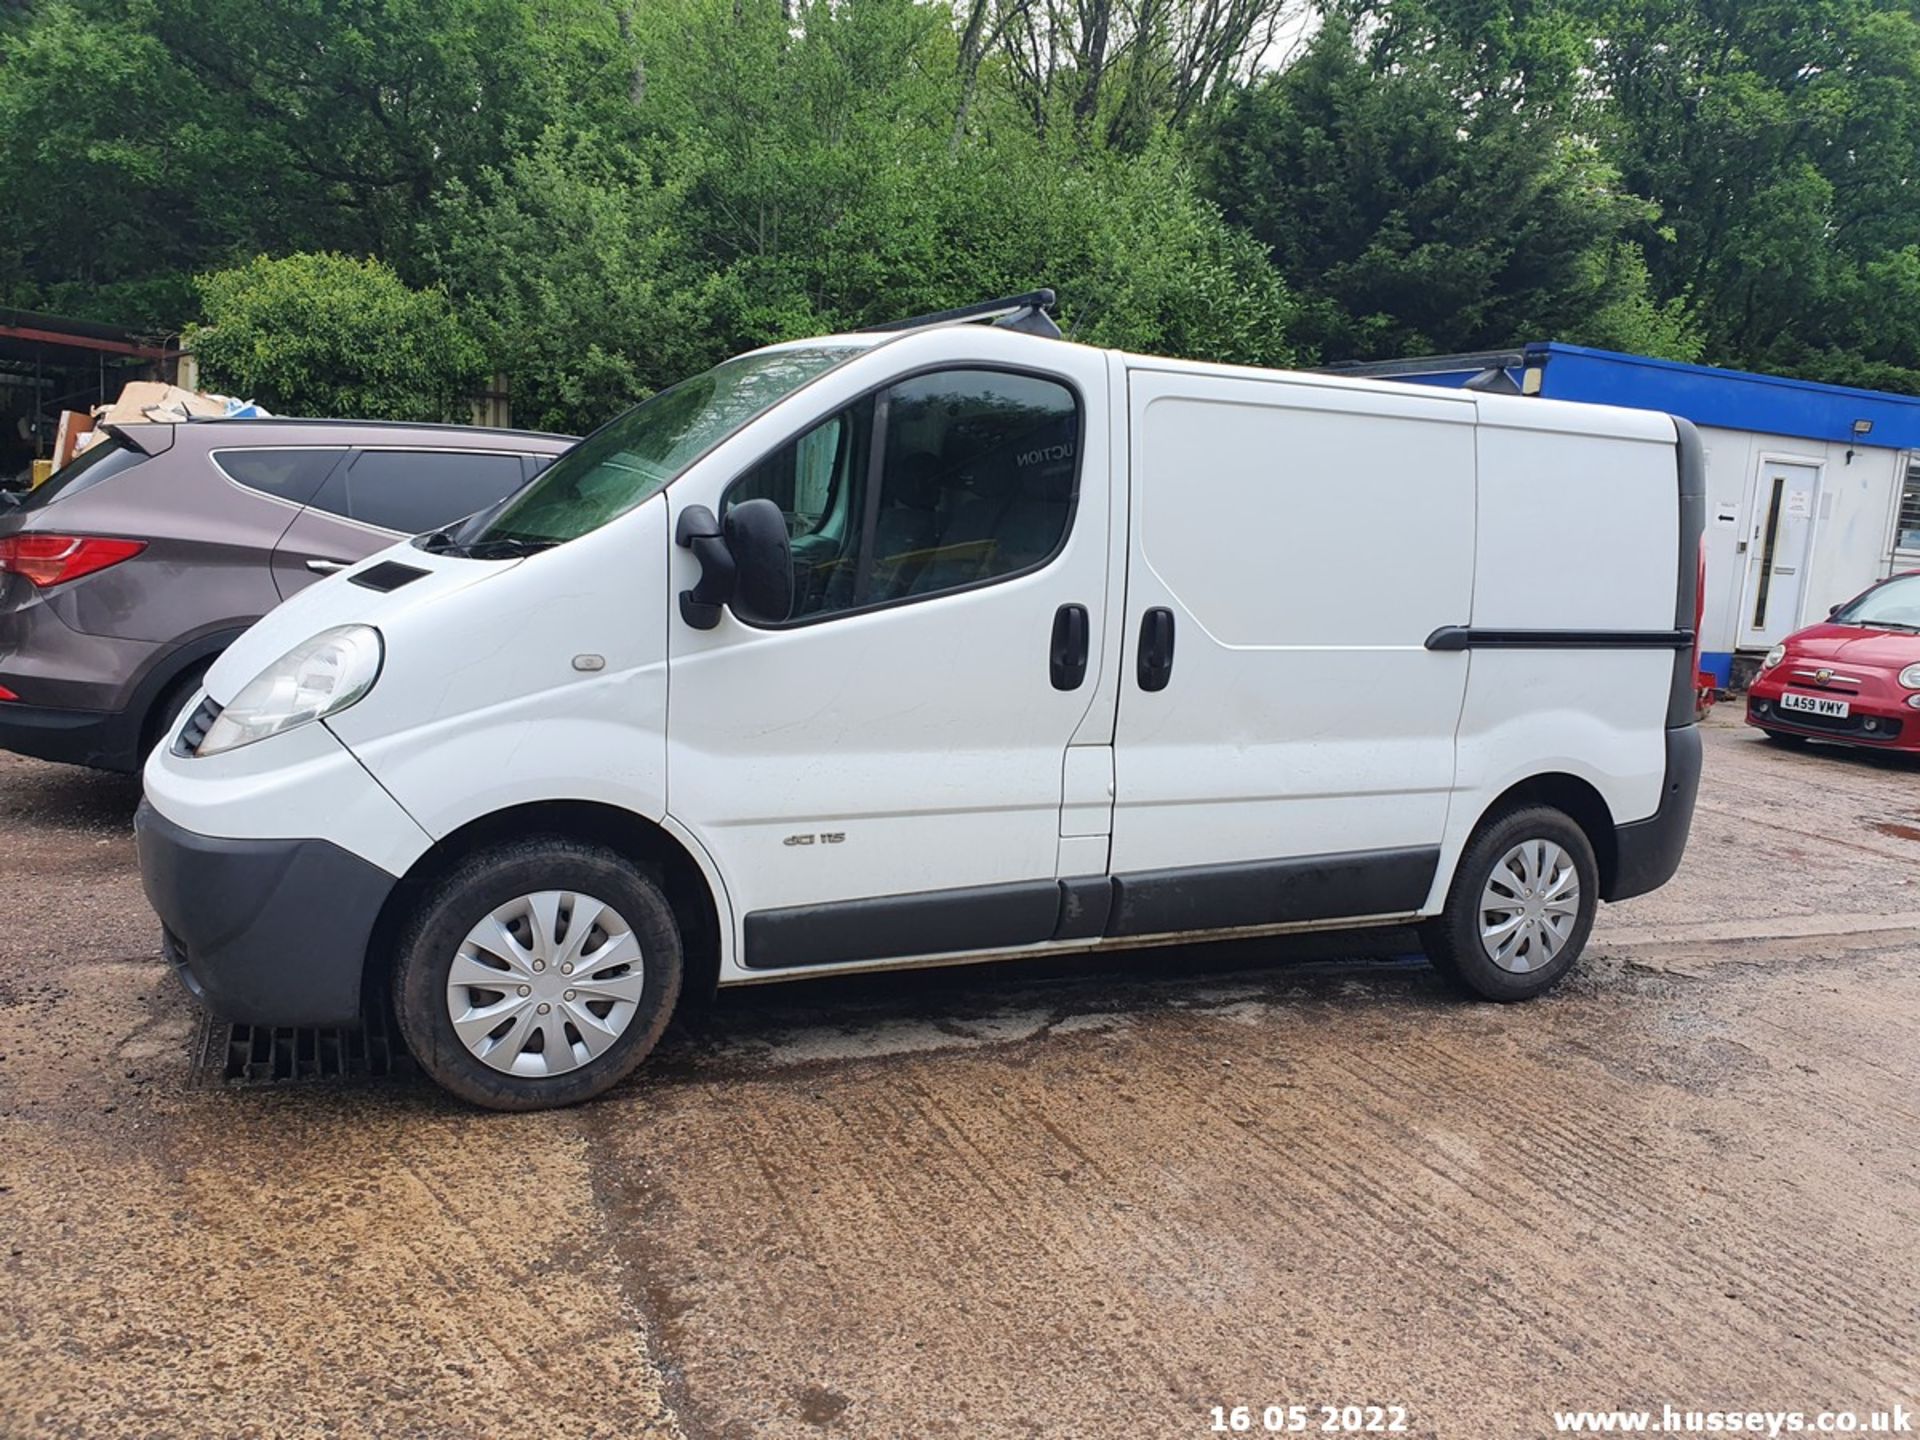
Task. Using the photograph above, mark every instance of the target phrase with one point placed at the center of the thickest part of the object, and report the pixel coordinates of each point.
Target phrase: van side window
(285, 474)
(976, 481)
(414, 490)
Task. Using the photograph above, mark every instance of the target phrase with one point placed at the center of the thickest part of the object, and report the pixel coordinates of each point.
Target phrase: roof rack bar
(1016, 312)
(1475, 360)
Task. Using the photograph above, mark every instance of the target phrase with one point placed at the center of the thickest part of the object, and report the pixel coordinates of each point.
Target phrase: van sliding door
(1284, 749)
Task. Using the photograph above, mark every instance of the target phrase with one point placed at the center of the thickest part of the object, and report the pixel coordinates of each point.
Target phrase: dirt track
(1091, 1202)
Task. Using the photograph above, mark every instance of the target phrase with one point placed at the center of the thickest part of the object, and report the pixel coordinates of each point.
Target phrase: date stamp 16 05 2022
(1309, 1419)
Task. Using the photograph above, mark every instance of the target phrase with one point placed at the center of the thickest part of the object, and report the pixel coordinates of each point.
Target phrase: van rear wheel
(1520, 908)
(537, 974)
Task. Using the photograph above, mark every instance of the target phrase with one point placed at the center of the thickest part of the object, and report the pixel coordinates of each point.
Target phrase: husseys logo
(1044, 454)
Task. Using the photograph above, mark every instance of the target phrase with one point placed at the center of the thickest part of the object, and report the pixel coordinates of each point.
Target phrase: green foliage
(327, 335)
(793, 178)
(1778, 139)
(571, 274)
(1411, 213)
(609, 194)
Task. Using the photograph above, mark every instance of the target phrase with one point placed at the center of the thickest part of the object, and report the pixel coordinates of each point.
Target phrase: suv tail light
(55, 559)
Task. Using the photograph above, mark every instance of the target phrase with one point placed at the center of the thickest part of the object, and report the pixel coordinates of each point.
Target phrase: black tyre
(537, 974)
(1785, 737)
(1520, 908)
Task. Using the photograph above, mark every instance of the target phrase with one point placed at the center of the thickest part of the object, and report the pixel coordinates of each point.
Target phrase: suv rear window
(411, 491)
(284, 474)
(103, 460)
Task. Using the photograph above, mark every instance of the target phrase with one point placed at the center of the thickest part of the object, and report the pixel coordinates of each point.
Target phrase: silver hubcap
(1530, 905)
(545, 984)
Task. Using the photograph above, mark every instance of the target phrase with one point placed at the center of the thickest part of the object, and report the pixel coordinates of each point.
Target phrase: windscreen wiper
(502, 547)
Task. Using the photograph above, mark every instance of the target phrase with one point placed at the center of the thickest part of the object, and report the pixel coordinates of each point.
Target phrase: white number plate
(1814, 705)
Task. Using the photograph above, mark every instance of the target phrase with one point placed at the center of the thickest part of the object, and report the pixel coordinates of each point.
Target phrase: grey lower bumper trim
(265, 932)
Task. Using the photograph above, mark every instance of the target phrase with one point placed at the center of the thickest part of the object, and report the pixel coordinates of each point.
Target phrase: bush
(332, 336)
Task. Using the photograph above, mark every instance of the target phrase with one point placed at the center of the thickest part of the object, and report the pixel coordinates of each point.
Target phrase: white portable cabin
(1813, 491)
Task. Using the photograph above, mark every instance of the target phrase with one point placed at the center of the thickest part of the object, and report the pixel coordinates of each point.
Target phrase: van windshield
(633, 458)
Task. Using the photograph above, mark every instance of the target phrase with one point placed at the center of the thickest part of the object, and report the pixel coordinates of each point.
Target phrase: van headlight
(315, 679)
(1774, 657)
(1910, 677)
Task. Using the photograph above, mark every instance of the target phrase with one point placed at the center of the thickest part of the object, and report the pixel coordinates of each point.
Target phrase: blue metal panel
(1729, 399)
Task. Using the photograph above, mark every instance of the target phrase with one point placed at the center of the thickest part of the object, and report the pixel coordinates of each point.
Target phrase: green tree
(142, 141)
(1778, 139)
(572, 271)
(327, 335)
(830, 187)
(1411, 210)
(795, 174)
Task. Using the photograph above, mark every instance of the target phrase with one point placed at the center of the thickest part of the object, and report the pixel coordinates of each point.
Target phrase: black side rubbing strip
(387, 575)
(933, 922)
(1085, 903)
(1468, 637)
(1273, 892)
(1093, 907)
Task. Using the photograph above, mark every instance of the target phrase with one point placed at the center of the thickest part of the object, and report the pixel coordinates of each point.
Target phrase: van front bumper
(263, 932)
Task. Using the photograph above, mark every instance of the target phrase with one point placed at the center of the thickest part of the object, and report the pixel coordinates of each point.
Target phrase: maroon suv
(126, 573)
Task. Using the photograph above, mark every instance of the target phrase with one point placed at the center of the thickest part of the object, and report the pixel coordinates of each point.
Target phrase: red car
(1855, 678)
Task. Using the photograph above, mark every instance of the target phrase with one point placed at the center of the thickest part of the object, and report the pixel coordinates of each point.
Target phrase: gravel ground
(1091, 1200)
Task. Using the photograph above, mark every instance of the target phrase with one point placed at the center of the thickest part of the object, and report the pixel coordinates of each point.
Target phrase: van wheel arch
(183, 668)
(631, 836)
(1580, 802)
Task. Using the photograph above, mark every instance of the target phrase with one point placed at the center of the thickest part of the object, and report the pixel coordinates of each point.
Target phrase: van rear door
(1284, 749)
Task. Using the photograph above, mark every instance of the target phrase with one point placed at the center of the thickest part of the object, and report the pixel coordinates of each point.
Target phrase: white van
(946, 643)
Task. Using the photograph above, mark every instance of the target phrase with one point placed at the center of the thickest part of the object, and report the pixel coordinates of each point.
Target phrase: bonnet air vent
(387, 575)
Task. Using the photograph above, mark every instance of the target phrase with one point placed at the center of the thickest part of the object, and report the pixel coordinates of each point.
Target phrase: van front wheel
(1520, 908)
(537, 974)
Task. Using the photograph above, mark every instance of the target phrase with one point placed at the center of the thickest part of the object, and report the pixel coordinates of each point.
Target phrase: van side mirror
(745, 562)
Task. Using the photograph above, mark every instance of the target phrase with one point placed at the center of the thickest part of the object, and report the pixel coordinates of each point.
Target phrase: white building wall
(1851, 542)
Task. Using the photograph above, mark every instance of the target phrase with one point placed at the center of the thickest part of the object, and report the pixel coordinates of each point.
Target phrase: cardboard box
(66, 440)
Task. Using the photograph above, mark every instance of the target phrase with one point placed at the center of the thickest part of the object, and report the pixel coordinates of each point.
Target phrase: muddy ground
(1091, 1201)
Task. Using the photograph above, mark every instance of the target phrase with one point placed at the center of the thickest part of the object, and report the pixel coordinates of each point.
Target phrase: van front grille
(195, 730)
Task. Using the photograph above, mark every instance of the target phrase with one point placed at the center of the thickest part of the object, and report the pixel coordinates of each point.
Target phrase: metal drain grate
(278, 1055)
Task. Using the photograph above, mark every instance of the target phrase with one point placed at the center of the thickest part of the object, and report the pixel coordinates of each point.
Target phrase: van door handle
(1068, 655)
(327, 567)
(1156, 648)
